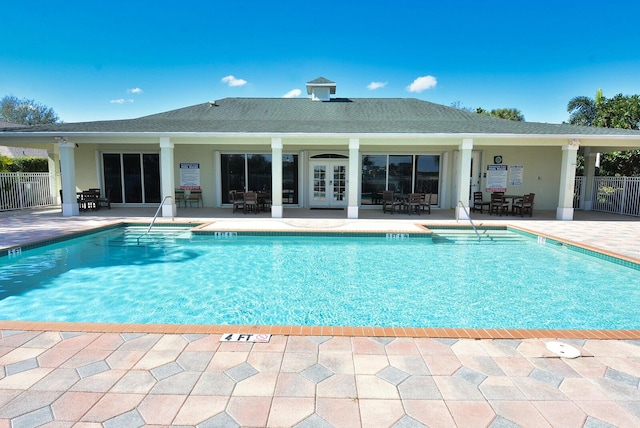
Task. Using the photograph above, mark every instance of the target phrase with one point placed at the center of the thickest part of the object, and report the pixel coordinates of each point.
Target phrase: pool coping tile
(394, 332)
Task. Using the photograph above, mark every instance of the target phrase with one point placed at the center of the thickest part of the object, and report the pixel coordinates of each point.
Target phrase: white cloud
(292, 93)
(121, 101)
(376, 85)
(233, 81)
(422, 83)
(134, 91)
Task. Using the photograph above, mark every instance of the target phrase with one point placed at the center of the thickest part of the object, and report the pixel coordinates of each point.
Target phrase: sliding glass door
(132, 178)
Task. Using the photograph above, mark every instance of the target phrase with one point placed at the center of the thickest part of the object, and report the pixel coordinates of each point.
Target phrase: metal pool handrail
(469, 217)
(155, 217)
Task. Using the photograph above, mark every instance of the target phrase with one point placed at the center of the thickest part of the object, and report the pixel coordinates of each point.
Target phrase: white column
(590, 159)
(353, 183)
(276, 178)
(53, 161)
(567, 181)
(464, 174)
(68, 178)
(167, 179)
(217, 167)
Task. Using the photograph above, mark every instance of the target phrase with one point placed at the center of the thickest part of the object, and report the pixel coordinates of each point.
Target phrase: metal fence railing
(578, 191)
(619, 195)
(20, 190)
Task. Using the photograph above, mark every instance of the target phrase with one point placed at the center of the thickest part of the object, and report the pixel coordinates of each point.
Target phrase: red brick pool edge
(454, 333)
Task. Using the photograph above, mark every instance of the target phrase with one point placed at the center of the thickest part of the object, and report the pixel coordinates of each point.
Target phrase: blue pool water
(298, 280)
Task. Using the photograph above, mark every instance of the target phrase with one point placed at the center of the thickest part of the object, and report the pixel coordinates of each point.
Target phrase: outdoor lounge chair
(478, 202)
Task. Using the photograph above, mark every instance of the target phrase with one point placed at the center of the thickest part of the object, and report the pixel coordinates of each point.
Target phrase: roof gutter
(301, 135)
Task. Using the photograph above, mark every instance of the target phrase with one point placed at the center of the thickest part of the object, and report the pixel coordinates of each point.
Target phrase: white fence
(619, 195)
(20, 190)
(578, 191)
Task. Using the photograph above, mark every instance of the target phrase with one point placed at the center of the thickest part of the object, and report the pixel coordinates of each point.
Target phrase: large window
(132, 177)
(244, 172)
(374, 179)
(400, 173)
(400, 168)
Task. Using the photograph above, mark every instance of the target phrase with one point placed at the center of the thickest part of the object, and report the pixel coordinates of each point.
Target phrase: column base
(169, 210)
(352, 212)
(276, 211)
(461, 214)
(69, 210)
(564, 214)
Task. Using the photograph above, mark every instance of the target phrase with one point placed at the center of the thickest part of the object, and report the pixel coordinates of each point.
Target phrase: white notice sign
(497, 178)
(190, 176)
(516, 173)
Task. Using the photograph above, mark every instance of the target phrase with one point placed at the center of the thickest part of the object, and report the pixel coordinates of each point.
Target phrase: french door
(328, 183)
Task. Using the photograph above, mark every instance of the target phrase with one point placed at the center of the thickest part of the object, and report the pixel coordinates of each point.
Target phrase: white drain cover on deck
(563, 350)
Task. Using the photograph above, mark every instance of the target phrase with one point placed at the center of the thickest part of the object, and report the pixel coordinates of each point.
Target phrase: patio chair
(178, 194)
(498, 204)
(478, 202)
(425, 202)
(250, 202)
(194, 196)
(264, 201)
(524, 205)
(413, 203)
(236, 200)
(106, 201)
(389, 203)
(87, 200)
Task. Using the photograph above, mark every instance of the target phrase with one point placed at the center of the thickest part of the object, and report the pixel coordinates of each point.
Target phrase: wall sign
(497, 178)
(190, 176)
(516, 174)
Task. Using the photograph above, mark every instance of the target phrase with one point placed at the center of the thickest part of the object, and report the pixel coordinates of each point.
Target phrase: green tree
(503, 113)
(618, 112)
(26, 112)
(626, 163)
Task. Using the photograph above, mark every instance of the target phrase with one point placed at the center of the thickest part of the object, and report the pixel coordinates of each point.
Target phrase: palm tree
(582, 111)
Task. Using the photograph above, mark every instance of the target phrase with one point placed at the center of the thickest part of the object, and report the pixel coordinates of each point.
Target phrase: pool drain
(563, 350)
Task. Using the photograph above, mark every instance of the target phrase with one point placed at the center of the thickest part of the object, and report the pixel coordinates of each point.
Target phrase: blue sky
(91, 60)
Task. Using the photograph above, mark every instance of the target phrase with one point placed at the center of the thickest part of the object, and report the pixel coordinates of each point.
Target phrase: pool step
(467, 236)
(138, 236)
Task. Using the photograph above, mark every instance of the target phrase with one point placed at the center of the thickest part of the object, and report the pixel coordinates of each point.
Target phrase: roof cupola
(321, 89)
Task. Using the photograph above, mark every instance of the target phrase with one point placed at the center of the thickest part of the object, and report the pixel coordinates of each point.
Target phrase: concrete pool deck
(76, 376)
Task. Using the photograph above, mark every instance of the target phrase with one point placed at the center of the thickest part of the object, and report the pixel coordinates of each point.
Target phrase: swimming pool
(174, 277)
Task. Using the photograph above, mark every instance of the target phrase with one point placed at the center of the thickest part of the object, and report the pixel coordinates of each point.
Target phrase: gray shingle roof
(340, 115)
